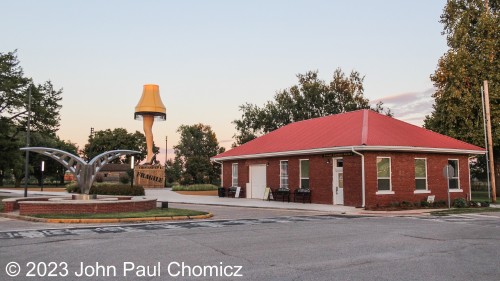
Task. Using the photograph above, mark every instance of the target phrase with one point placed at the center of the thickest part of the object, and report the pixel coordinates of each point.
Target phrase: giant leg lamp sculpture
(149, 108)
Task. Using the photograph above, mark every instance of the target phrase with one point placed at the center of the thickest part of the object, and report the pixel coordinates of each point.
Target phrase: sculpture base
(84, 196)
(149, 176)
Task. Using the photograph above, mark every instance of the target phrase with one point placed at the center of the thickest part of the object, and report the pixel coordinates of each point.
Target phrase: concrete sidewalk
(173, 197)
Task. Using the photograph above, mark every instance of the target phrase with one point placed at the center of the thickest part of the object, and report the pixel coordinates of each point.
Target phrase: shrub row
(457, 203)
(462, 203)
(117, 189)
(421, 204)
(108, 189)
(195, 187)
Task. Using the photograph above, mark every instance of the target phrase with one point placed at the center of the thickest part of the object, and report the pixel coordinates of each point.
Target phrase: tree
(173, 170)
(197, 144)
(311, 98)
(118, 138)
(473, 36)
(45, 107)
(52, 168)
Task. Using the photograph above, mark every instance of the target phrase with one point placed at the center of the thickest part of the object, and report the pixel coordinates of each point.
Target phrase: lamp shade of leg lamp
(149, 109)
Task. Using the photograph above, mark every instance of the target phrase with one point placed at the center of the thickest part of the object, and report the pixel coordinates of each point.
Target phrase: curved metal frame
(84, 172)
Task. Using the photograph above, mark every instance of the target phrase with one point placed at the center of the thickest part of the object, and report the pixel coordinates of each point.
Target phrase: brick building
(359, 158)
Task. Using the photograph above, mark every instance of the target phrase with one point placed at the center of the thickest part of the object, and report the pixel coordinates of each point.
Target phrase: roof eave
(349, 148)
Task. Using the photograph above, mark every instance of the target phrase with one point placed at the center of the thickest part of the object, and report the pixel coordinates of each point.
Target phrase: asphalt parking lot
(263, 244)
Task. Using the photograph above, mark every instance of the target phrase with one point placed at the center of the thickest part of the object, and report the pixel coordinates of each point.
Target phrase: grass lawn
(195, 187)
(151, 213)
(482, 196)
(464, 211)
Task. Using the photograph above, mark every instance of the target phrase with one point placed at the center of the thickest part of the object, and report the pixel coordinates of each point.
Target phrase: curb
(33, 219)
(266, 207)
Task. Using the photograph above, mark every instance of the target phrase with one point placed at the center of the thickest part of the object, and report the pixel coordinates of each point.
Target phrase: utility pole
(490, 143)
(487, 157)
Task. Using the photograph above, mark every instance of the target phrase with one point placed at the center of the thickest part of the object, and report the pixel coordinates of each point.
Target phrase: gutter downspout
(362, 176)
(470, 186)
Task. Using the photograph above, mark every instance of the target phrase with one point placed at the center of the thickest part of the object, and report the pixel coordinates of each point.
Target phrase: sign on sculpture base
(149, 176)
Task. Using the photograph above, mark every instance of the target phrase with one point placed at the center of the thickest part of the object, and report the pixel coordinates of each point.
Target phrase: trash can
(222, 192)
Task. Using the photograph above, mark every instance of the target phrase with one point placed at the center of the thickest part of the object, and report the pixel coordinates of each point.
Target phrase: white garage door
(257, 181)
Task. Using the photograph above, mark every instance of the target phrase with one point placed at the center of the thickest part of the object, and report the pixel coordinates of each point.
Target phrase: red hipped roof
(362, 129)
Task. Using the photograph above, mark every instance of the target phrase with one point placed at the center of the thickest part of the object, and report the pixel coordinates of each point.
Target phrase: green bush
(73, 187)
(440, 203)
(395, 204)
(424, 204)
(195, 187)
(406, 204)
(114, 189)
(474, 204)
(124, 178)
(459, 203)
(485, 204)
(168, 184)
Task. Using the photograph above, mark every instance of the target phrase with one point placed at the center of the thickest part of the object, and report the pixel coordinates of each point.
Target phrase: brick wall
(91, 207)
(12, 204)
(321, 176)
(352, 181)
(403, 177)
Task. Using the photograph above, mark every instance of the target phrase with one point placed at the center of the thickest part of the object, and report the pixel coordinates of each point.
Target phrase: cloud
(410, 107)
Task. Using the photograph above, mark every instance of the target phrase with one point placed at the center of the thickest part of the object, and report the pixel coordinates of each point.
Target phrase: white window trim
(421, 191)
(384, 192)
(300, 172)
(459, 189)
(389, 178)
(426, 190)
(233, 176)
(281, 175)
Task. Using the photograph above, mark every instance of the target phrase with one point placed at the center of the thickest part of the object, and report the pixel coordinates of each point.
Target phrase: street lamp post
(43, 169)
(27, 157)
(132, 168)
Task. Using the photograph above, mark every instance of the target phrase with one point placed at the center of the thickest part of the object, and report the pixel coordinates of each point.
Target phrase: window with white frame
(453, 178)
(284, 174)
(304, 173)
(420, 174)
(384, 173)
(234, 177)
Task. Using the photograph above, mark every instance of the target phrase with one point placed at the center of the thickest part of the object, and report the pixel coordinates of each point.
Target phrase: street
(309, 247)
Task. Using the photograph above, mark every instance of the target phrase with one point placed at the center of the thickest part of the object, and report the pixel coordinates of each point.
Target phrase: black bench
(302, 194)
(231, 192)
(281, 194)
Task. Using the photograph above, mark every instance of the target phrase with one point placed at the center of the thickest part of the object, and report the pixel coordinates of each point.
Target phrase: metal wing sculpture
(84, 172)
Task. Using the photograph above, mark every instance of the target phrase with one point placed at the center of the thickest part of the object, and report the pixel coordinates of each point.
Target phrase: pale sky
(209, 57)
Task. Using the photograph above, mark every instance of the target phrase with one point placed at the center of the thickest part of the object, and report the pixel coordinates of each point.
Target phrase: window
(304, 174)
(453, 174)
(284, 174)
(420, 174)
(234, 181)
(384, 173)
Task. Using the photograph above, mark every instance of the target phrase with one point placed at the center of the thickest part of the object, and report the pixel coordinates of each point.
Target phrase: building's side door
(338, 181)
(257, 181)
